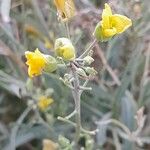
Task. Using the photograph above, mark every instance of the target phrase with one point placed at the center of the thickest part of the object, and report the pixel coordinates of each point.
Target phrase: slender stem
(88, 49)
(67, 121)
(89, 132)
(108, 68)
(76, 95)
(68, 31)
(71, 115)
(75, 125)
(118, 123)
(104, 61)
(84, 85)
(85, 88)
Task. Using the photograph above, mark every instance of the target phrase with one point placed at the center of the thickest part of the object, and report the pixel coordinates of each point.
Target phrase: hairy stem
(88, 49)
(67, 28)
(118, 123)
(76, 95)
(75, 125)
(71, 115)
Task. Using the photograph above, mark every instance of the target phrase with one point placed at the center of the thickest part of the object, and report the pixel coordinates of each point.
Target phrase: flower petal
(120, 22)
(106, 16)
(69, 8)
(68, 52)
(65, 8)
(109, 32)
(60, 4)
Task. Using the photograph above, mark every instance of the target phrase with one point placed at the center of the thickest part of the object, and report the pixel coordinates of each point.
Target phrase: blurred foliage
(28, 24)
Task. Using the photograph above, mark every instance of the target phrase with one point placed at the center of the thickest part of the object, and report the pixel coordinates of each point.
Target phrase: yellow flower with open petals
(111, 25)
(65, 9)
(44, 102)
(36, 62)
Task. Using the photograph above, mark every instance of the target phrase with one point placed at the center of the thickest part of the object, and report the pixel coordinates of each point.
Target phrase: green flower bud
(81, 72)
(88, 60)
(64, 49)
(90, 71)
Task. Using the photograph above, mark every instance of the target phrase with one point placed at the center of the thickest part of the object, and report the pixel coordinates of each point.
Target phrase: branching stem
(76, 96)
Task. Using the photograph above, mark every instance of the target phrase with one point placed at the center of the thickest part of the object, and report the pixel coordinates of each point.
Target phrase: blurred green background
(28, 24)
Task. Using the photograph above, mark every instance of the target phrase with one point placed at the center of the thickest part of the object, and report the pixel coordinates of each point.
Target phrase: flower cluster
(109, 26)
(38, 62)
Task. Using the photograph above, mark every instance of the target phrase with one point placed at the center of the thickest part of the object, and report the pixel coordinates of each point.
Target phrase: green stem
(67, 28)
(71, 115)
(88, 49)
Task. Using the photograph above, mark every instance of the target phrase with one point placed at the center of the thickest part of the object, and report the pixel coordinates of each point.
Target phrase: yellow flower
(44, 102)
(64, 49)
(111, 25)
(37, 62)
(65, 9)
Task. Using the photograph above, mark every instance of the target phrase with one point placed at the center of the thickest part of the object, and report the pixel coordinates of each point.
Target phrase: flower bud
(90, 71)
(64, 49)
(81, 72)
(88, 60)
